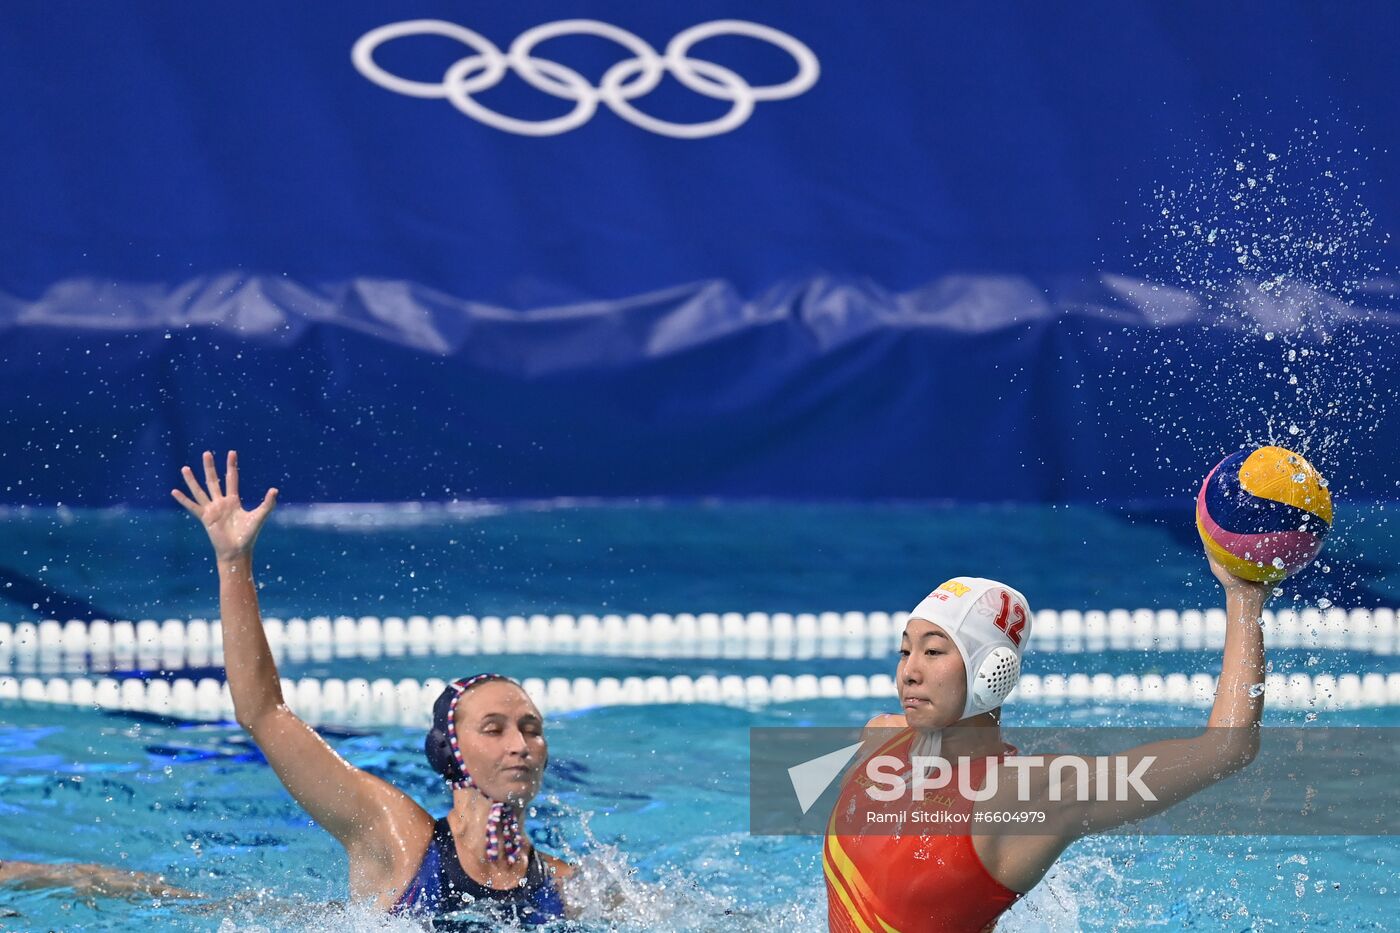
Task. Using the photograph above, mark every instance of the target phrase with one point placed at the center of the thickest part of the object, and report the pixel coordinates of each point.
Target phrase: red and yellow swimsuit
(880, 882)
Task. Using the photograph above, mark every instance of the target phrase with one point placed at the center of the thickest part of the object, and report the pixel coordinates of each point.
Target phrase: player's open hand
(231, 530)
(1238, 585)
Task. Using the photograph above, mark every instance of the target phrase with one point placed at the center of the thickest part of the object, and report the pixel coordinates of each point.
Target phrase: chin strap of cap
(926, 744)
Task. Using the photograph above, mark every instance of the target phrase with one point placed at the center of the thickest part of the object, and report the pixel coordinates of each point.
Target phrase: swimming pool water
(654, 797)
(660, 790)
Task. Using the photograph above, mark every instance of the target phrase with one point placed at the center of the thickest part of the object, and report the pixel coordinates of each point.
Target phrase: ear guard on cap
(437, 745)
(996, 677)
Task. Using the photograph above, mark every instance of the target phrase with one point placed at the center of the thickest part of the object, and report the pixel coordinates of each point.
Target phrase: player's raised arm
(1175, 769)
(365, 813)
(252, 672)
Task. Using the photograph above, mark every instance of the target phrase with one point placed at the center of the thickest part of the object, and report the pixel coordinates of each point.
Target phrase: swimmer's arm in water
(380, 827)
(84, 880)
(1183, 767)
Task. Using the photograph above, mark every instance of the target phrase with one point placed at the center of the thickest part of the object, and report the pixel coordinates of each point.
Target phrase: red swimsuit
(880, 882)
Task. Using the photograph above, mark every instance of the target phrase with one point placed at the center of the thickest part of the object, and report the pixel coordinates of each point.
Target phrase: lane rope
(383, 702)
(50, 646)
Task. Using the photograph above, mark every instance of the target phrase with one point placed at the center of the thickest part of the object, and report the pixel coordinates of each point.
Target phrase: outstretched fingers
(268, 504)
(264, 509)
(192, 484)
(211, 476)
(187, 502)
(231, 474)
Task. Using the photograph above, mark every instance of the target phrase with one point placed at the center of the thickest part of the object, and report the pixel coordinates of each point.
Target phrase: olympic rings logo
(621, 84)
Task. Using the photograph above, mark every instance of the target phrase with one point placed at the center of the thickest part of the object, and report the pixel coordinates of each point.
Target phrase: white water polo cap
(990, 624)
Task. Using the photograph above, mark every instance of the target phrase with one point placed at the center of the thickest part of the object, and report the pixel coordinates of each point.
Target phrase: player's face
(931, 676)
(501, 737)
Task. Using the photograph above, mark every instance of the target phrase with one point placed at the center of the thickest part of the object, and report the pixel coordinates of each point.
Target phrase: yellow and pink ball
(1263, 514)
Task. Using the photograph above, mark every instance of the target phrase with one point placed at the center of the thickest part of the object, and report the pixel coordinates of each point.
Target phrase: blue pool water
(653, 798)
(662, 791)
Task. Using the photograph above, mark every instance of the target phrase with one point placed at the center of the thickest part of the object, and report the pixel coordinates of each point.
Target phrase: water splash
(262, 914)
(1278, 246)
(608, 893)
(611, 895)
(1275, 245)
(1269, 232)
(1053, 905)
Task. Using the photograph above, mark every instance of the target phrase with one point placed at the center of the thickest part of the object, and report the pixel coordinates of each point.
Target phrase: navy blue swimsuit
(443, 886)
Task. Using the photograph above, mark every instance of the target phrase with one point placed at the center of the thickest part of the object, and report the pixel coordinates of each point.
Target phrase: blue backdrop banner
(972, 388)
(151, 140)
(620, 249)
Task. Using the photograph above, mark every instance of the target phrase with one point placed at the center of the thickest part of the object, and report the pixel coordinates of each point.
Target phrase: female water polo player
(959, 658)
(487, 741)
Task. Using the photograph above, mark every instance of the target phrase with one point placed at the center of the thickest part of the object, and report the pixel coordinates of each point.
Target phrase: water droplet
(1278, 563)
(1324, 603)
(1292, 429)
(1269, 335)
(1256, 690)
